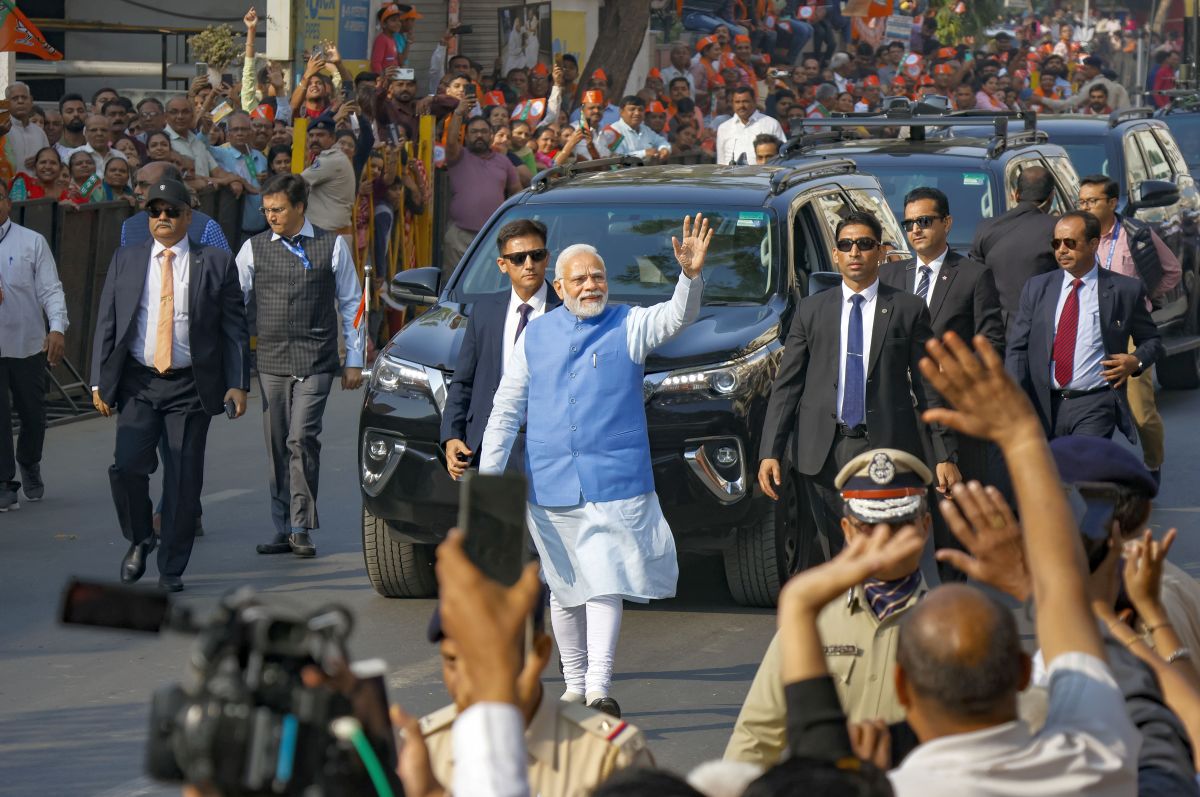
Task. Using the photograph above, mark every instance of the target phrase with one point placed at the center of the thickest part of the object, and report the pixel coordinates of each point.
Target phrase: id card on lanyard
(1113, 248)
(298, 251)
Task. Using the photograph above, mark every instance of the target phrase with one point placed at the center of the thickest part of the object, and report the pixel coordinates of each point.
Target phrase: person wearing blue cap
(882, 485)
(572, 748)
(330, 178)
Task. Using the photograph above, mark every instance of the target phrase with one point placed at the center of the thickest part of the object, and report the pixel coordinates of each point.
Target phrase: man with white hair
(25, 137)
(595, 518)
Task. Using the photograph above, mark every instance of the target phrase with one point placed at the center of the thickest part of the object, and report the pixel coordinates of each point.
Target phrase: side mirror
(416, 286)
(822, 281)
(1155, 194)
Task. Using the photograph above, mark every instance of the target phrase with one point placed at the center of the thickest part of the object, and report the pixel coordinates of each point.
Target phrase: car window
(1171, 148)
(872, 200)
(972, 193)
(1156, 160)
(1065, 175)
(1135, 166)
(1185, 129)
(1087, 157)
(832, 208)
(635, 242)
(1059, 204)
(807, 247)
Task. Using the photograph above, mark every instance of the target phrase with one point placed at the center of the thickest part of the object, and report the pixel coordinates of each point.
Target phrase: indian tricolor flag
(18, 34)
(361, 313)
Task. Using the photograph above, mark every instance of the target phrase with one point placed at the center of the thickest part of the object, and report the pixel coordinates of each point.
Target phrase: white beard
(589, 310)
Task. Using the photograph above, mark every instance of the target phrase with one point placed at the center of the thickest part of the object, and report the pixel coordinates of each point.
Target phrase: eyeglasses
(1070, 243)
(1087, 203)
(171, 211)
(517, 258)
(150, 114)
(863, 244)
(923, 222)
(266, 211)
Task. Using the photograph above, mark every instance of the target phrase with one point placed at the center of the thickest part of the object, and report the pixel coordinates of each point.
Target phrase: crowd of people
(996, 379)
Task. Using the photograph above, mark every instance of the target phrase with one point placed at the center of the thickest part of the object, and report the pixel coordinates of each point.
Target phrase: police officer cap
(884, 485)
(323, 122)
(435, 634)
(172, 192)
(1083, 458)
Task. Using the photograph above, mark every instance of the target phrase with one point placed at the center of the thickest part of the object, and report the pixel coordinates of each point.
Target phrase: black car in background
(706, 389)
(1139, 152)
(1182, 116)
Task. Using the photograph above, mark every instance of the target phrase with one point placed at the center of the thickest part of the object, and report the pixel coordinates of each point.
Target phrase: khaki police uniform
(571, 748)
(331, 190)
(860, 651)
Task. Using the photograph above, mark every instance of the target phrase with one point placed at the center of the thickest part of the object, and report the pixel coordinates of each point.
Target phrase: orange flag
(18, 34)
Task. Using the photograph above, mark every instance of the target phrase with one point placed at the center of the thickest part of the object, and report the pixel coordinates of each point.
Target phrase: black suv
(1182, 115)
(1140, 153)
(706, 389)
(978, 171)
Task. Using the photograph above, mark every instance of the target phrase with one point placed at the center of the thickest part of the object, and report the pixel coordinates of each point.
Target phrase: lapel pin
(883, 310)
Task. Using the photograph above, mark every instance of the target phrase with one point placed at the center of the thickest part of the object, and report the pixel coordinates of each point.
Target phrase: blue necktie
(923, 283)
(852, 395)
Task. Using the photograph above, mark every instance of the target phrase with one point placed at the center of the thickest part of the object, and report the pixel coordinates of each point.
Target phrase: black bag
(1145, 255)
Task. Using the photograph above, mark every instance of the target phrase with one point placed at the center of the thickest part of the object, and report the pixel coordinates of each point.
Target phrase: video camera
(242, 721)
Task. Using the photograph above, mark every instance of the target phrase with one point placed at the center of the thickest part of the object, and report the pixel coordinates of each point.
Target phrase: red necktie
(1064, 337)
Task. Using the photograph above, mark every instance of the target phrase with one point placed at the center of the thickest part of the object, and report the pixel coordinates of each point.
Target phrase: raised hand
(691, 250)
(1143, 573)
(251, 19)
(982, 521)
(987, 403)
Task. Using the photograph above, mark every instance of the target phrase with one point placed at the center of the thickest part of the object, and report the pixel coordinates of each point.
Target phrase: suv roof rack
(541, 181)
(918, 116)
(803, 141)
(1116, 117)
(785, 177)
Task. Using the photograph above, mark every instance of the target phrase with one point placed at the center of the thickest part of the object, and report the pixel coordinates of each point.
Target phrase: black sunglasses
(517, 258)
(1071, 243)
(863, 244)
(924, 222)
(171, 211)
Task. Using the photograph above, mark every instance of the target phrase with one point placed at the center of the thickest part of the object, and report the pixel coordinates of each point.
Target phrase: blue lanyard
(1113, 248)
(298, 251)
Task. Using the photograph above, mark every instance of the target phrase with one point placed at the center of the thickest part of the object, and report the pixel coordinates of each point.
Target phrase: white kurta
(595, 548)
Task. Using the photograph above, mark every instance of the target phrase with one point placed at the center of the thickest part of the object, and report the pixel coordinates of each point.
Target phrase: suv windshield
(635, 242)
(970, 194)
(1186, 130)
(1088, 157)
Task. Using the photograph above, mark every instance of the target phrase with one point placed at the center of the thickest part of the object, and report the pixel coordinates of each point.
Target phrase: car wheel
(1181, 372)
(396, 569)
(770, 550)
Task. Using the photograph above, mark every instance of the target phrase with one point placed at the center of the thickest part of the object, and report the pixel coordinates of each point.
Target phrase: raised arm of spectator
(988, 404)
(454, 130)
(314, 66)
(554, 102)
(249, 78)
(437, 61)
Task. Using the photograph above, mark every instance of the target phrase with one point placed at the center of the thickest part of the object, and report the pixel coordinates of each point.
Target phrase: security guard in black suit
(848, 378)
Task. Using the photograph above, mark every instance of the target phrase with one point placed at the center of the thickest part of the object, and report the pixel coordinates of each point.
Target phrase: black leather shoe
(170, 583)
(606, 705)
(278, 544)
(302, 544)
(134, 563)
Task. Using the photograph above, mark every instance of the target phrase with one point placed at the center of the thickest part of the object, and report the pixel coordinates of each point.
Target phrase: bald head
(960, 651)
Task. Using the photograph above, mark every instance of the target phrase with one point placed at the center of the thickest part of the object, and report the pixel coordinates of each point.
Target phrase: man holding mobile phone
(594, 515)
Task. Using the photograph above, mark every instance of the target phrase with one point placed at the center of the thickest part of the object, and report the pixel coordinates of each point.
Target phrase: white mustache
(592, 295)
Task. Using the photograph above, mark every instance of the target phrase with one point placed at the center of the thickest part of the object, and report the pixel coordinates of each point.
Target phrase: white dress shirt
(348, 288)
(638, 142)
(935, 268)
(490, 759)
(147, 313)
(31, 287)
(1087, 746)
(1089, 344)
(102, 160)
(868, 316)
(194, 147)
(23, 142)
(513, 317)
(669, 73)
(735, 138)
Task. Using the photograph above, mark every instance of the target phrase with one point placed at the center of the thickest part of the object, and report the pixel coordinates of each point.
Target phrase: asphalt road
(74, 702)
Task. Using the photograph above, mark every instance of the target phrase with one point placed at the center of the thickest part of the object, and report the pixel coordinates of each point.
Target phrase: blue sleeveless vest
(585, 434)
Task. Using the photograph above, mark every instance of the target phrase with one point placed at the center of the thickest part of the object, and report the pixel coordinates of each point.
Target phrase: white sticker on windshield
(974, 179)
(751, 219)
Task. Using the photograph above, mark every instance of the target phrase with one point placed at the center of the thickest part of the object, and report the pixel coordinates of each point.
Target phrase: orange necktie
(164, 337)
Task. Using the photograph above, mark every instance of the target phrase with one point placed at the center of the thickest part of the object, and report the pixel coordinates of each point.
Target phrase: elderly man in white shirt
(30, 293)
(593, 512)
(735, 137)
(630, 136)
(96, 131)
(25, 138)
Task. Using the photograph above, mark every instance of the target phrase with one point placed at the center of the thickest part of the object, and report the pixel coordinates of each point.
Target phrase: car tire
(767, 552)
(396, 569)
(1181, 372)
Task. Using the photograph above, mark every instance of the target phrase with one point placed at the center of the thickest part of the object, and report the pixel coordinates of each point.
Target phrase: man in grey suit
(297, 273)
(1013, 245)
(171, 350)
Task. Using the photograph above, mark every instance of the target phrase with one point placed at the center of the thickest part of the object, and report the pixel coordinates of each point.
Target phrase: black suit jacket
(1123, 314)
(217, 331)
(804, 396)
(964, 301)
(1016, 247)
(478, 370)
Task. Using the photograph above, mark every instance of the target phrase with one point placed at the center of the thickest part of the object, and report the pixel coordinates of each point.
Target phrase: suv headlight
(726, 379)
(393, 375)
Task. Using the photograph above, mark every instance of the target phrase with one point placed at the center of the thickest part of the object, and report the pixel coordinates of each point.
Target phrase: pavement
(74, 702)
